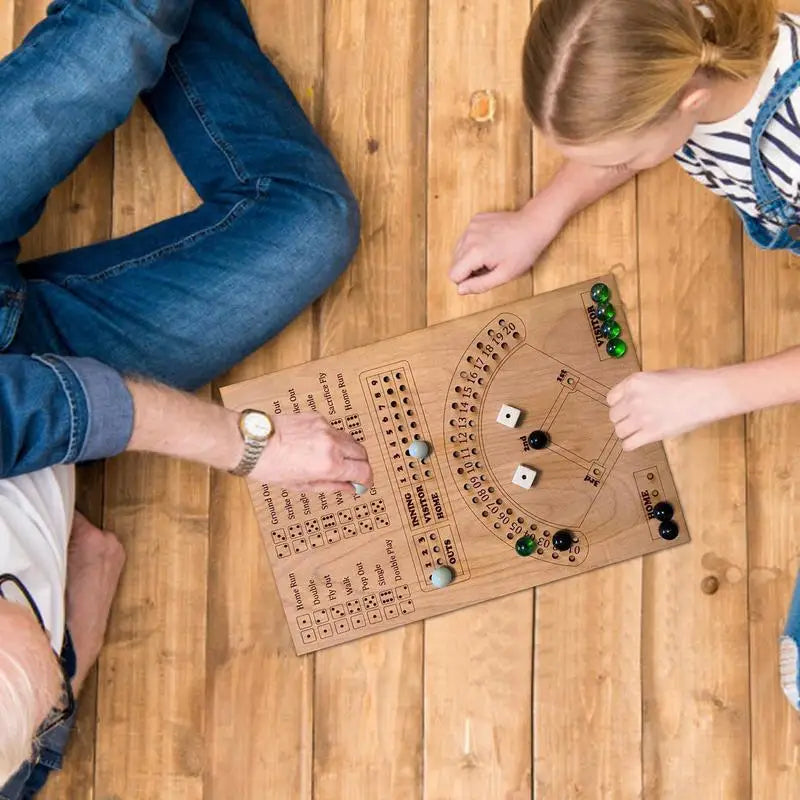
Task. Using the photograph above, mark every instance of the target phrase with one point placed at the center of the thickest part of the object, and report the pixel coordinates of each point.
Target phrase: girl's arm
(499, 247)
(650, 406)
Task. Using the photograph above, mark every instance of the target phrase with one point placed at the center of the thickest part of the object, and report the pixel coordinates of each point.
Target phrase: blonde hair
(30, 685)
(594, 68)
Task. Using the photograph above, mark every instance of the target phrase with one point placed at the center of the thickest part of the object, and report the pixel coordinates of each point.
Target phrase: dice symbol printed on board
(382, 521)
(390, 612)
(357, 621)
(283, 550)
(407, 607)
(346, 515)
(366, 525)
(374, 616)
(295, 531)
(328, 521)
(402, 592)
(308, 636)
(325, 631)
(353, 607)
(370, 602)
(337, 611)
(333, 536)
(378, 506)
(342, 626)
(304, 621)
(349, 531)
(279, 536)
(387, 596)
(312, 526)
(300, 545)
(320, 616)
(316, 540)
(361, 511)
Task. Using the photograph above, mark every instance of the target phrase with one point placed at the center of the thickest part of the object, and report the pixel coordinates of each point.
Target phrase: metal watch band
(252, 452)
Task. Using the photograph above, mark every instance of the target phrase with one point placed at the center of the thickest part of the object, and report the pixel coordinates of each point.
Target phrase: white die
(508, 416)
(524, 476)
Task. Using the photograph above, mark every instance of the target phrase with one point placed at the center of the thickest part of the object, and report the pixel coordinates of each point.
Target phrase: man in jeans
(176, 303)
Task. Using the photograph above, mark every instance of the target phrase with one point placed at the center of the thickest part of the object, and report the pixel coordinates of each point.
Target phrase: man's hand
(306, 454)
(649, 406)
(497, 248)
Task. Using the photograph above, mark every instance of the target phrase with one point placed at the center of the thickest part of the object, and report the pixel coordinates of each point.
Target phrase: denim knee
(328, 222)
(338, 222)
(122, 47)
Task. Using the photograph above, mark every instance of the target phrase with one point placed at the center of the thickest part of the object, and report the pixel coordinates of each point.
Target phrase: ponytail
(593, 68)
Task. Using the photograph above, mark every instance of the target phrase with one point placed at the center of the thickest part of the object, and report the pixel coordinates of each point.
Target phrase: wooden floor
(623, 683)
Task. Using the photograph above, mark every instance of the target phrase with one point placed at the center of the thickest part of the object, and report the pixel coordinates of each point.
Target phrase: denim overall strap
(771, 202)
(52, 736)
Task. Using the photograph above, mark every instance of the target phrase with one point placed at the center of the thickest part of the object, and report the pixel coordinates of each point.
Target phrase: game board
(349, 566)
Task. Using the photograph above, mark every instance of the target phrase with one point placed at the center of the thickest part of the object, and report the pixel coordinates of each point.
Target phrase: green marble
(610, 329)
(525, 545)
(606, 312)
(616, 348)
(600, 293)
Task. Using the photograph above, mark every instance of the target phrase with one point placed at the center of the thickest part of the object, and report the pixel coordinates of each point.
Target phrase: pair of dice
(524, 476)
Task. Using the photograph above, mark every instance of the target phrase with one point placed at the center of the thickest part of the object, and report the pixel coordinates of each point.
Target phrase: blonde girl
(619, 86)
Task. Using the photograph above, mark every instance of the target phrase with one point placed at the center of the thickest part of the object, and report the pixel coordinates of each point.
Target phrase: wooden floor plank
(257, 685)
(478, 660)
(772, 323)
(587, 678)
(7, 28)
(151, 698)
(368, 701)
(78, 212)
(696, 725)
(772, 314)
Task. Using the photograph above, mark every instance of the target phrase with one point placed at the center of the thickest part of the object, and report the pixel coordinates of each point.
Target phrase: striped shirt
(720, 156)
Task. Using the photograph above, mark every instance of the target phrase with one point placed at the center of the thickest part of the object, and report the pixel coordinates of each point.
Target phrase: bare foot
(94, 565)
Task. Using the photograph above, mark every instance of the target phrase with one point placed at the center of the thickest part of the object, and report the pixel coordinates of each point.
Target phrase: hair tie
(710, 55)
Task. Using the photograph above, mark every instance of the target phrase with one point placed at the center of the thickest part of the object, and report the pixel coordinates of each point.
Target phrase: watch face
(257, 425)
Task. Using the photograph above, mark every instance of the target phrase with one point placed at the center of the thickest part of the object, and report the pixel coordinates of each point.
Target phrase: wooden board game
(347, 566)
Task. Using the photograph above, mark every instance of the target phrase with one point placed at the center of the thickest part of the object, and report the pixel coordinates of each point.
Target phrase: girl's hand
(498, 247)
(650, 406)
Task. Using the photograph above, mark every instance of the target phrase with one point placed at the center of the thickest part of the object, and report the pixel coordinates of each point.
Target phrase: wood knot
(709, 584)
(482, 106)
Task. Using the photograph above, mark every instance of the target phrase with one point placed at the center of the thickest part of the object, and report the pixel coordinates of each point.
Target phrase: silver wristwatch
(256, 429)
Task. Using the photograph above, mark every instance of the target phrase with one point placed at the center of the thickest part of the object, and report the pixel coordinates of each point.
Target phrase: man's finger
(350, 448)
(331, 486)
(357, 472)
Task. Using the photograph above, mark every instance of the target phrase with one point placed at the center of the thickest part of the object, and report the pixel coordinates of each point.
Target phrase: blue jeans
(185, 299)
(180, 301)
